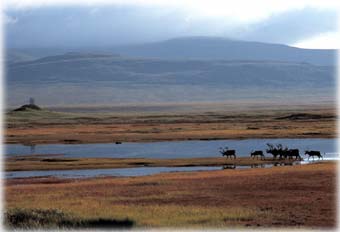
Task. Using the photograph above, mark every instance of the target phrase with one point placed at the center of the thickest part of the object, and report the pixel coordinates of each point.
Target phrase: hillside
(85, 78)
(184, 48)
(222, 48)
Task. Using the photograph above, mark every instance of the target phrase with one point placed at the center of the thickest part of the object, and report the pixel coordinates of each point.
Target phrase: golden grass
(298, 196)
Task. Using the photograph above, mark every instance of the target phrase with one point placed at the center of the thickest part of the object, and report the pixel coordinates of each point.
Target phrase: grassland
(301, 196)
(297, 197)
(29, 163)
(38, 127)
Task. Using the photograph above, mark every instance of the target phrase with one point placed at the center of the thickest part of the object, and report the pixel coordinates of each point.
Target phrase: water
(165, 150)
(119, 172)
(176, 149)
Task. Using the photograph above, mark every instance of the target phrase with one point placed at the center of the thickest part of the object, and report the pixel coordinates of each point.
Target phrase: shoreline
(44, 163)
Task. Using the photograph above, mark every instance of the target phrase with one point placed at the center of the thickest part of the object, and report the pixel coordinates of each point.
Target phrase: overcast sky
(62, 23)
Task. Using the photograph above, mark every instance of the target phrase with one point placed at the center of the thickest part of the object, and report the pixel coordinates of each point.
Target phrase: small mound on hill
(28, 107)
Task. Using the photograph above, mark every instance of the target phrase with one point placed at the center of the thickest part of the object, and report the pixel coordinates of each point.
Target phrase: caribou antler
(279, 146)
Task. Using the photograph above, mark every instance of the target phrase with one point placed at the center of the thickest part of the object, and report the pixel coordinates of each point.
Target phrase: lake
(163, 150)
(173, 149)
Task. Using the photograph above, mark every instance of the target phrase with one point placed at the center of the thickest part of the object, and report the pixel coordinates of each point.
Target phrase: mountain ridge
(226, 49)
(199, 48)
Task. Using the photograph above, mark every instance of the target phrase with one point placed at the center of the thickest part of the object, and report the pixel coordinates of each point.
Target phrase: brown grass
(29, 163)
(54, 127)
(296, 196)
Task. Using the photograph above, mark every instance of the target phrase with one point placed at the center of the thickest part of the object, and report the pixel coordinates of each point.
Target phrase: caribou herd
(277, 151)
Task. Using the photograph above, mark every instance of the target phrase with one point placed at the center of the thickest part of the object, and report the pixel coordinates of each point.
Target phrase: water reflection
(32, 147)
(229, 166)
(278, 164)
(257, 166)
(268, 165)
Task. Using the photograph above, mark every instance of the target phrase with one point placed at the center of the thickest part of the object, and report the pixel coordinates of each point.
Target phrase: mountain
(199, 48)
(226, 49)
(87, 78)
(14, 56)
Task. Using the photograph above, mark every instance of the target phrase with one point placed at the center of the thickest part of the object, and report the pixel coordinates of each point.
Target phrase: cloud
(292, 26)
(8, 19)
(329, 40)
(95, 26)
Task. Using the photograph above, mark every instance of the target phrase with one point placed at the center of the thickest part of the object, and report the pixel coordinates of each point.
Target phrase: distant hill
(226, 49)
(86, 78)
(199, 47)
(14, 56)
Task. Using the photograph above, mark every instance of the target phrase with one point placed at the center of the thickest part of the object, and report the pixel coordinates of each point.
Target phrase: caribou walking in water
(276, 150)
(292, 153)
(257, 154)
(283, 152)
(228, 153)
(313, 153)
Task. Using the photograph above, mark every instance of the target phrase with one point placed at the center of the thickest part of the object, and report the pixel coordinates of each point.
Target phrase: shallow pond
(176, 149)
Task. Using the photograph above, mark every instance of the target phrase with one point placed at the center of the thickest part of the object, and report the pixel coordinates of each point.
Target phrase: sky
(79, 23)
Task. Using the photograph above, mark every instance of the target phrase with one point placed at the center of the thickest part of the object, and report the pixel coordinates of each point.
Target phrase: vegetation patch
(28, 107)
(58, 160)
(71, 141)
(304, 116)
(54, 219)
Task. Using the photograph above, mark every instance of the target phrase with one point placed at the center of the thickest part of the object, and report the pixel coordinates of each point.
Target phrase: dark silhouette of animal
(256, 154)
(313, 153)
(292, 153)
(228, 153)
(276, 150)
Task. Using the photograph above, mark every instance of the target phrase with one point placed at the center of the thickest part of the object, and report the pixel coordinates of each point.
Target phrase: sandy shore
(55, 127)
(302, 196)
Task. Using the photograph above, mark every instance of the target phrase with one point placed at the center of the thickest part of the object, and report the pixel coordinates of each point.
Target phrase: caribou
(313, 153)
(228, 153)
(283, 152)
(292, 153)
(276, 151)
(257, 154)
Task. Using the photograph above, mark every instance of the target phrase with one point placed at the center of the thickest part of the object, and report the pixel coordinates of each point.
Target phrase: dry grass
(297, 196)
(54, 127)
(29, 163)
